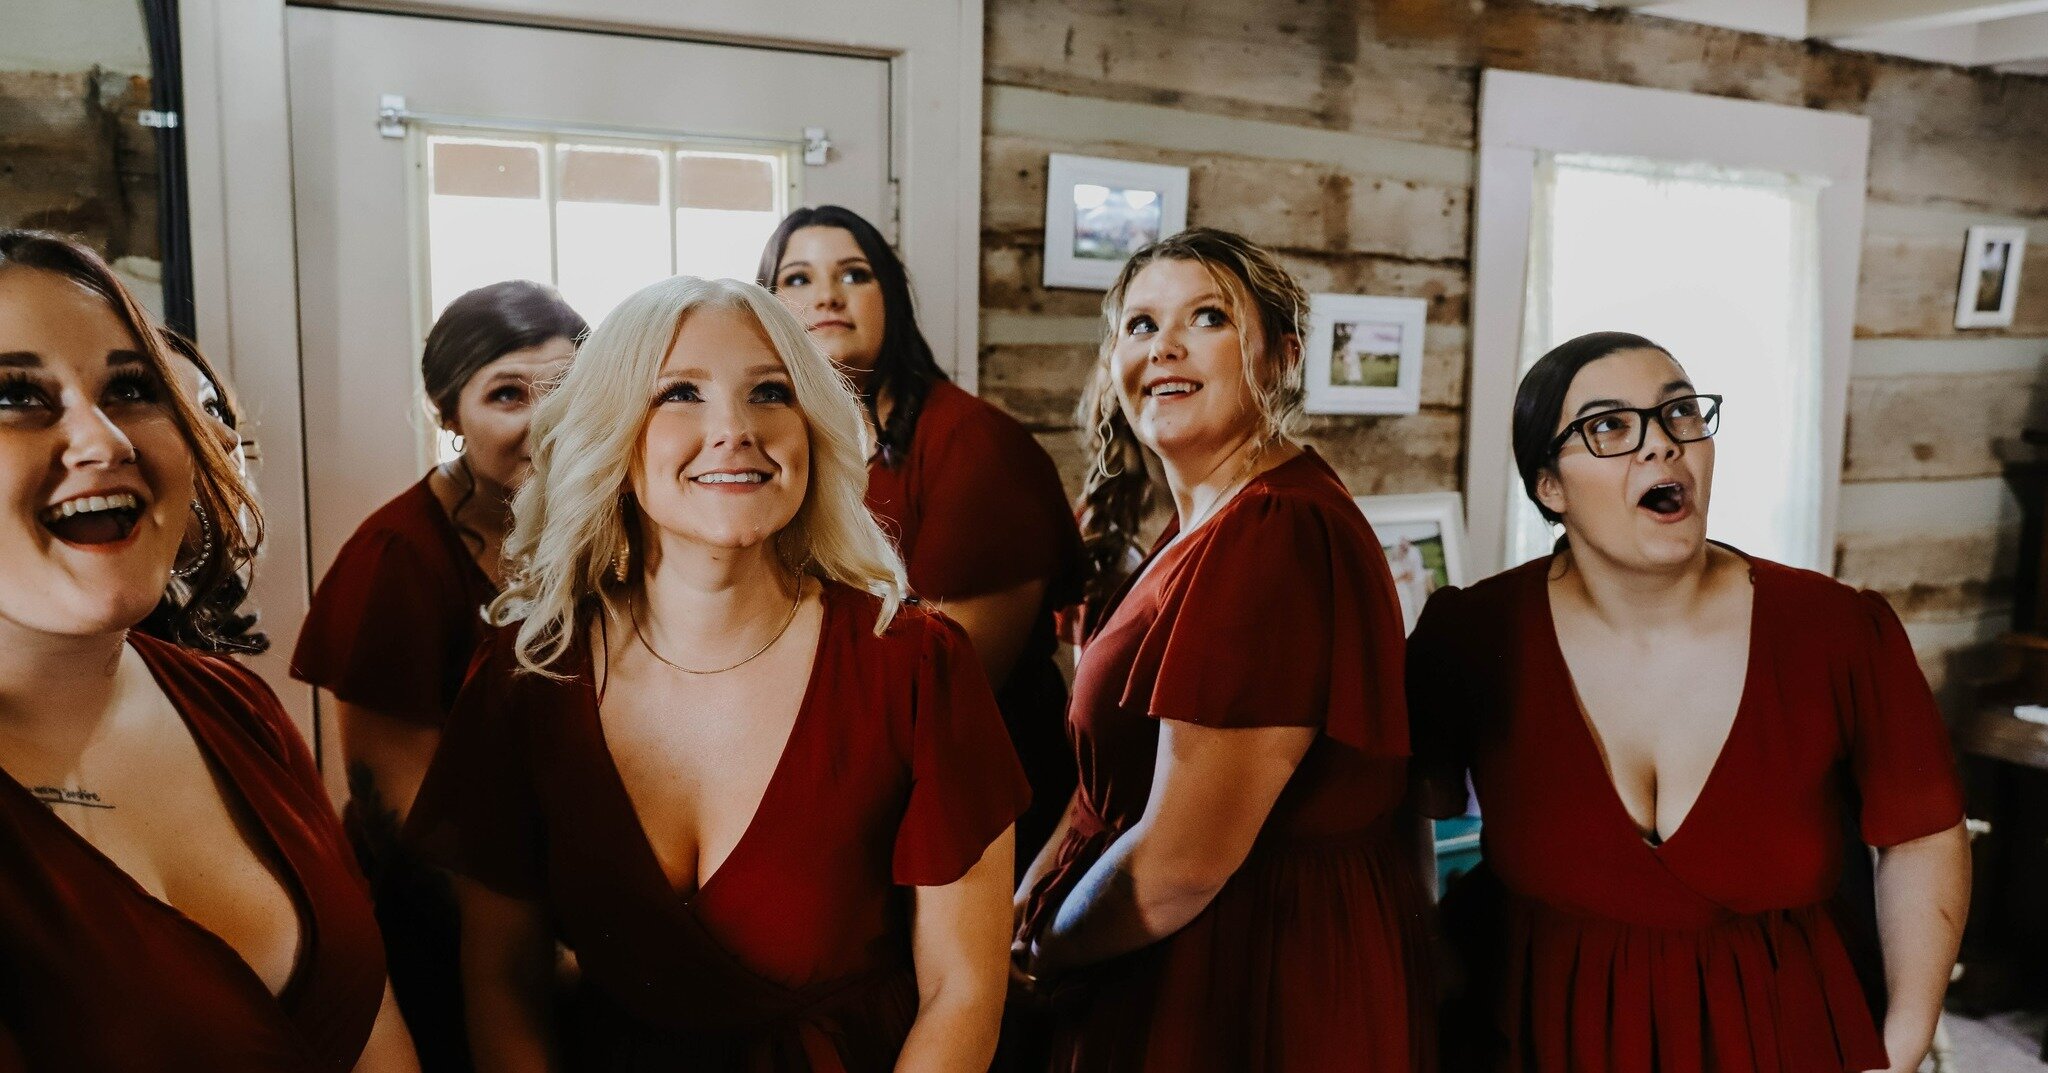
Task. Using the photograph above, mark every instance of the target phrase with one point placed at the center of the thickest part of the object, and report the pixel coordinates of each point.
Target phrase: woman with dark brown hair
(972, 501)
(223, 622)
(1232, 888)
(1670, 740)
(175, 893)
(395, 621)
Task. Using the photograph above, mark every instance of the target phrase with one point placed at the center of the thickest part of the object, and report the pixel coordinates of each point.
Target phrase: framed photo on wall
(1098, 212)
(1424, 538)
(1364, 354)
(1990, 286)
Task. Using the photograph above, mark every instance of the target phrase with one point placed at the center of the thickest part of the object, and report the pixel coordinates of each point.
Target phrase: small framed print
(1364, 354)
(1098, 212)
(1990, 286)
(1423, 536)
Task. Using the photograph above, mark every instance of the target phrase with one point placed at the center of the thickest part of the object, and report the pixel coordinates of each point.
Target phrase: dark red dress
(1279, 611)
(393, 627)
(1717, 951)
(792, 957)
(976, 507)
(98, 974)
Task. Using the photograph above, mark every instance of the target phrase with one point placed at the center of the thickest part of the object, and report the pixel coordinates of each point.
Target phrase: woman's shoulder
(1814, 604)
(955, 417)
(407, 527)
(218, 689)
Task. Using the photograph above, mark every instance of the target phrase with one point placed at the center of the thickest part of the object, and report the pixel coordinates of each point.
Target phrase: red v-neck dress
(1280, 611)
(792, 957)
(1718, 950)
(98, 974)
(976, 507)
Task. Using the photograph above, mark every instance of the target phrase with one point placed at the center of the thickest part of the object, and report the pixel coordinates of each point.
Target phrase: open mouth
(90, 520)
(1166, 389)
(734, 477)
(1666, 499)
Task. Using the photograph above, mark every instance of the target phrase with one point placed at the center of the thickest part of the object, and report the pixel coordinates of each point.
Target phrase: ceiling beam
(1851, 18)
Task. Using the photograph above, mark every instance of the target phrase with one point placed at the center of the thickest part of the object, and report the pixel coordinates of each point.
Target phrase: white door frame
(243, 248)
(1521, 115)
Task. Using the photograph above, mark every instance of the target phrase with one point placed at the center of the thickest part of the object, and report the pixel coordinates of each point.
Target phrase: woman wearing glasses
(1665, 736)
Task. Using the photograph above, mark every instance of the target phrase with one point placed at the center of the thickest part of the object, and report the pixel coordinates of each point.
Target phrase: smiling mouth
(91, 520)
(742, 478)
(1172, 389)
(1665, 499)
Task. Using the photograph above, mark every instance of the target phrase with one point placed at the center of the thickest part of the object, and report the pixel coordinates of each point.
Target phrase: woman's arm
(1211, 792)
(999, 624)
(508, 960)
(387, 757)
(389, 1049)
(1923, 894)
(959, 940)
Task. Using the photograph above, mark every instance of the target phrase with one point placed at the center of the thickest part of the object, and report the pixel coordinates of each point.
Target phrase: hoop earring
(199, 561)
(460, 443)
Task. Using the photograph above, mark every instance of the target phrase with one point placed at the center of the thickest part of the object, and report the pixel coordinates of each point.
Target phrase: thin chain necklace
(1245, 476)
(633, 613)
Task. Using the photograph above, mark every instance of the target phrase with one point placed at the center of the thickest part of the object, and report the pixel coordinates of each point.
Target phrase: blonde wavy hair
(574, 514)
(1268, 307)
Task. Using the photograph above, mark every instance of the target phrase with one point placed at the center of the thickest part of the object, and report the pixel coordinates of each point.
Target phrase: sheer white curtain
(1722, 268)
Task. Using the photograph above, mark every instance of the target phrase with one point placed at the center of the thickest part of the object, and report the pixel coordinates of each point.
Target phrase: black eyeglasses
(1620, 431)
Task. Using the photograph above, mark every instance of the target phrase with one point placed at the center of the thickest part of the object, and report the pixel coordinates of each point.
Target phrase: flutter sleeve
(995, 516)
(1899, 752)
(380, 634)
(1439, 709)
(1283, 615)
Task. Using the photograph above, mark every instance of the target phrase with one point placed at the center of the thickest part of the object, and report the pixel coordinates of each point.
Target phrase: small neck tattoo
(54, 795)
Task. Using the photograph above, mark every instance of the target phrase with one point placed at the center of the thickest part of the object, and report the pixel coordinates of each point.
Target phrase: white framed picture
(1990, 287)
(1364, 354)
(1098, 212)
(1424, 538)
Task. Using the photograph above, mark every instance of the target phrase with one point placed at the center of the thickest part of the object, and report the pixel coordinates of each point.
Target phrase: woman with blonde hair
(765, 802)
(1231, 889)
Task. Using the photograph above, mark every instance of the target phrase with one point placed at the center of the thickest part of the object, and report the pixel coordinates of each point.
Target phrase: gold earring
(622, 560)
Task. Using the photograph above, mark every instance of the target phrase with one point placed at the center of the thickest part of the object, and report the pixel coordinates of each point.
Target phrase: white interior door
(596, 161)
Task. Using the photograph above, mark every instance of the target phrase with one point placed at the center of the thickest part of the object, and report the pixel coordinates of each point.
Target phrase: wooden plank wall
(74, 159)
(1341, 133)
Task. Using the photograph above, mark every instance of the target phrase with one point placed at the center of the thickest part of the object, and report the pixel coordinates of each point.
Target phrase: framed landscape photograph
(1098, 212)
(1364, 354)
(1990, 286)
(1423, 536)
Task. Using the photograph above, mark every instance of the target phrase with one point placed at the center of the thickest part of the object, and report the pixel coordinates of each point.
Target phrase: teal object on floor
(1457, 848)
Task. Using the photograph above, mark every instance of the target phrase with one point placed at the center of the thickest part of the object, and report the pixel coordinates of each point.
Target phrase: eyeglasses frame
(1647, 414)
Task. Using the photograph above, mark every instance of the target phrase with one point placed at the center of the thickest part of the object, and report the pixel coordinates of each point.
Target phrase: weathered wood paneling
(1288, 204)
(1946, 574)
(1615, 46)
(1908, 287)
(74, 159)
(1936, 427)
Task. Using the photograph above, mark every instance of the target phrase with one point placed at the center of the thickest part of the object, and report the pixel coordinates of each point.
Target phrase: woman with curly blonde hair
(1231, 889)
(765, 801)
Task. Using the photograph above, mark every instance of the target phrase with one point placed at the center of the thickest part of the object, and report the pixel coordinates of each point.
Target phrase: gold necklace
(634, 615)
(1216, 504)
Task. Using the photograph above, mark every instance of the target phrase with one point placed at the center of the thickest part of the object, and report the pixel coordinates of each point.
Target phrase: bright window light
(1722, 268)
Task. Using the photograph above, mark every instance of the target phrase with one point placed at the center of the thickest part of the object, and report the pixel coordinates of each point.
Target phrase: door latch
(817, 146)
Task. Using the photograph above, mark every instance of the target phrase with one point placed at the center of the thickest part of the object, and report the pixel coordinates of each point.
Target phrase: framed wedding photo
(1098, 212)
(1990, 286)
(1364, 354)
(1423, 536)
